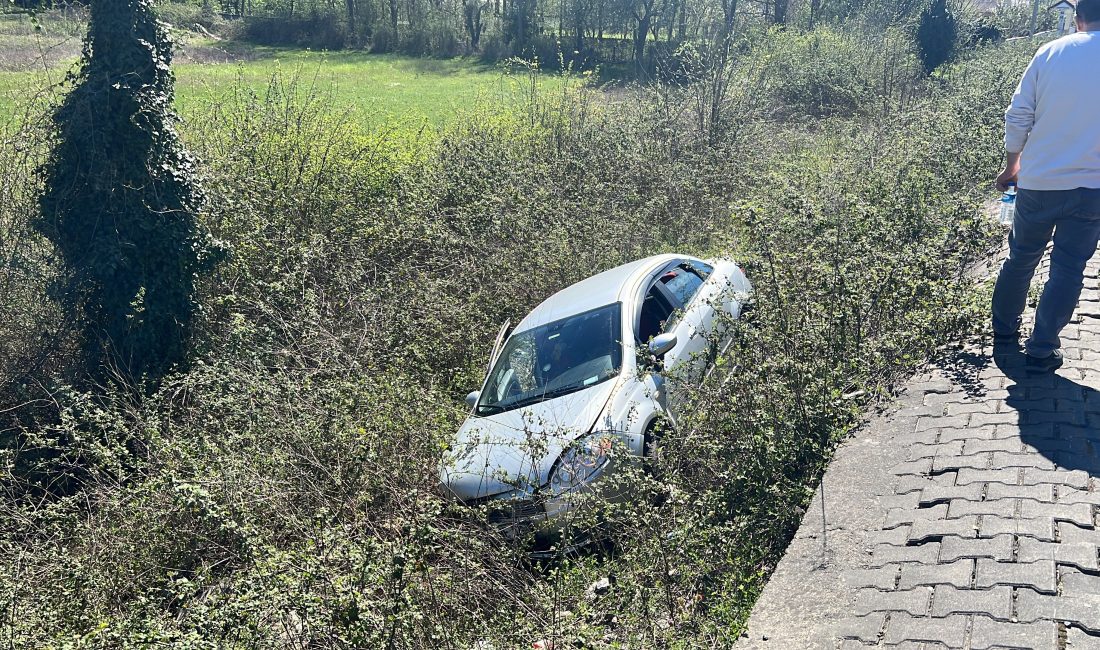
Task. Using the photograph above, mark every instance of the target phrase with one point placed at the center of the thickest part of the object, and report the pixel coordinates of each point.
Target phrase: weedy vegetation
(281, 489)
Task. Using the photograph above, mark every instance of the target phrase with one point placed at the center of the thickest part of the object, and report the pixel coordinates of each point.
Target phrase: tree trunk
(780, 12)
(640, 35)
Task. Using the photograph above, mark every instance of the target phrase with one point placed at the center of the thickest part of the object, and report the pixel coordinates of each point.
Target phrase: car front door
(671, 305)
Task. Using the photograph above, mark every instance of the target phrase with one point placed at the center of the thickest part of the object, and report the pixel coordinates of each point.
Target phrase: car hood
(514, 451)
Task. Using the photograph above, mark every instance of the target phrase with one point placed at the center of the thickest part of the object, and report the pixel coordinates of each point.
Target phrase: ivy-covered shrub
(937, 34)
(120, 201)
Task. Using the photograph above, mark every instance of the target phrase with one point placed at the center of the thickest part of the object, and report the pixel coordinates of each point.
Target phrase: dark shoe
(1037, 365)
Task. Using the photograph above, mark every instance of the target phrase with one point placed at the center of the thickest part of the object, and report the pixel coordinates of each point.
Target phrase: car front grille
(506, 512)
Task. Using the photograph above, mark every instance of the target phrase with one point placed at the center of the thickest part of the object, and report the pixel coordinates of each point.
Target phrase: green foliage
(121, 199)
(832, 72)
(937, 34)
(1013, 19)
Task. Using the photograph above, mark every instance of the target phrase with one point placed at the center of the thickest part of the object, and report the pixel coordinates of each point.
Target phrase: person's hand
(1005, 177)
(1009, 173)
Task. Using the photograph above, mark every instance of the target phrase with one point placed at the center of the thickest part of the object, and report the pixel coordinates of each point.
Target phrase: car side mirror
(471, 399)
(661, 344)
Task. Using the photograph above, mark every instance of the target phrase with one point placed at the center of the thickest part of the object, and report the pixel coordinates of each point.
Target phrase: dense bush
(832, 72)
(320, 31)
(282, 493)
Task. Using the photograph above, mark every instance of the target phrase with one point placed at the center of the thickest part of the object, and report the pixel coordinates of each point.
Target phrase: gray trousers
(1073, 218)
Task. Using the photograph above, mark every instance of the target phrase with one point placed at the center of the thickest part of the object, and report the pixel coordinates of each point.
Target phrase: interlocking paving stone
(894, 536)
(1035, 431)
(950, 630)
(1008, 445)
(889, 554)
(934, 529)
(956, 573)
(963, 408)
(1069, 532)
(1041, 404)
(1068, 417)
(907, 501)
(1041, 528)
(1079, 496)
(948, 463)
(995, 602)
(880, 578)
(1081, 612)
(1077, 584)
(941, 399)
(1073, 478)
(1081, 555)
(1078, 640)
(1039, 575)
(1009, 475)
(986, 634)
(1043, 493)
(972, 433)
(1071, 434)
(953, 448)
(984, 419)
(904, 439)
(1077, 513)
(865, 628)
(1002, 459)
(911, 483)
(999, 508)
(1068, 445)
(922, 466)
(954, 548)
(942, 422)
(944, 494)
(1071, 393)
(918, 411)
(904, 516)
(913, 601)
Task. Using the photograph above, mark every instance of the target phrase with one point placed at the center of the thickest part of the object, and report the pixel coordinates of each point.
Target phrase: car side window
(702, 269)
(683, 281)
(656, 312)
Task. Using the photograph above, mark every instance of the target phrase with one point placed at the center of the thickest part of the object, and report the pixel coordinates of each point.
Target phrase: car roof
(599, 290)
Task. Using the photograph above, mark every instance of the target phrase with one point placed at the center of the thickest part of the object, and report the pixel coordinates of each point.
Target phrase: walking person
(1052, 145)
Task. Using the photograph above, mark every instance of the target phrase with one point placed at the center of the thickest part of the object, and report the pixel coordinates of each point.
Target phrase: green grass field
(376, 89)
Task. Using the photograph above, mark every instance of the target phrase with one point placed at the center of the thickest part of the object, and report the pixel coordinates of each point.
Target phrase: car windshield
(556, 359)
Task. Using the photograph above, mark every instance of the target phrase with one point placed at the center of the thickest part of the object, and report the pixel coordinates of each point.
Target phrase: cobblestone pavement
(965, 518)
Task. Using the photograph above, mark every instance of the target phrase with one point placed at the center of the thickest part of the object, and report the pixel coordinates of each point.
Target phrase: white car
(576, 386)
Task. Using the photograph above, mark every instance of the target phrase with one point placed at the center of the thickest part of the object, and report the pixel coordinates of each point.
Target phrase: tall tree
(644, 12)
(121, 201)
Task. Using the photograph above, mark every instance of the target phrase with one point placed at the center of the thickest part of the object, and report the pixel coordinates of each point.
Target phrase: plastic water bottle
(1008, 205)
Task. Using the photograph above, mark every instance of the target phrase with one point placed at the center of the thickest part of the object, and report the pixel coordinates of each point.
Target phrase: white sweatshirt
(1055, 112)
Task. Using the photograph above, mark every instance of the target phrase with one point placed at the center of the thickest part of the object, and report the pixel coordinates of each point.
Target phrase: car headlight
(582, 461)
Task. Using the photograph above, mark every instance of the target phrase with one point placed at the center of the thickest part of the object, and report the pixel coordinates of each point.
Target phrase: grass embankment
(282, 491)
(377, 90)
